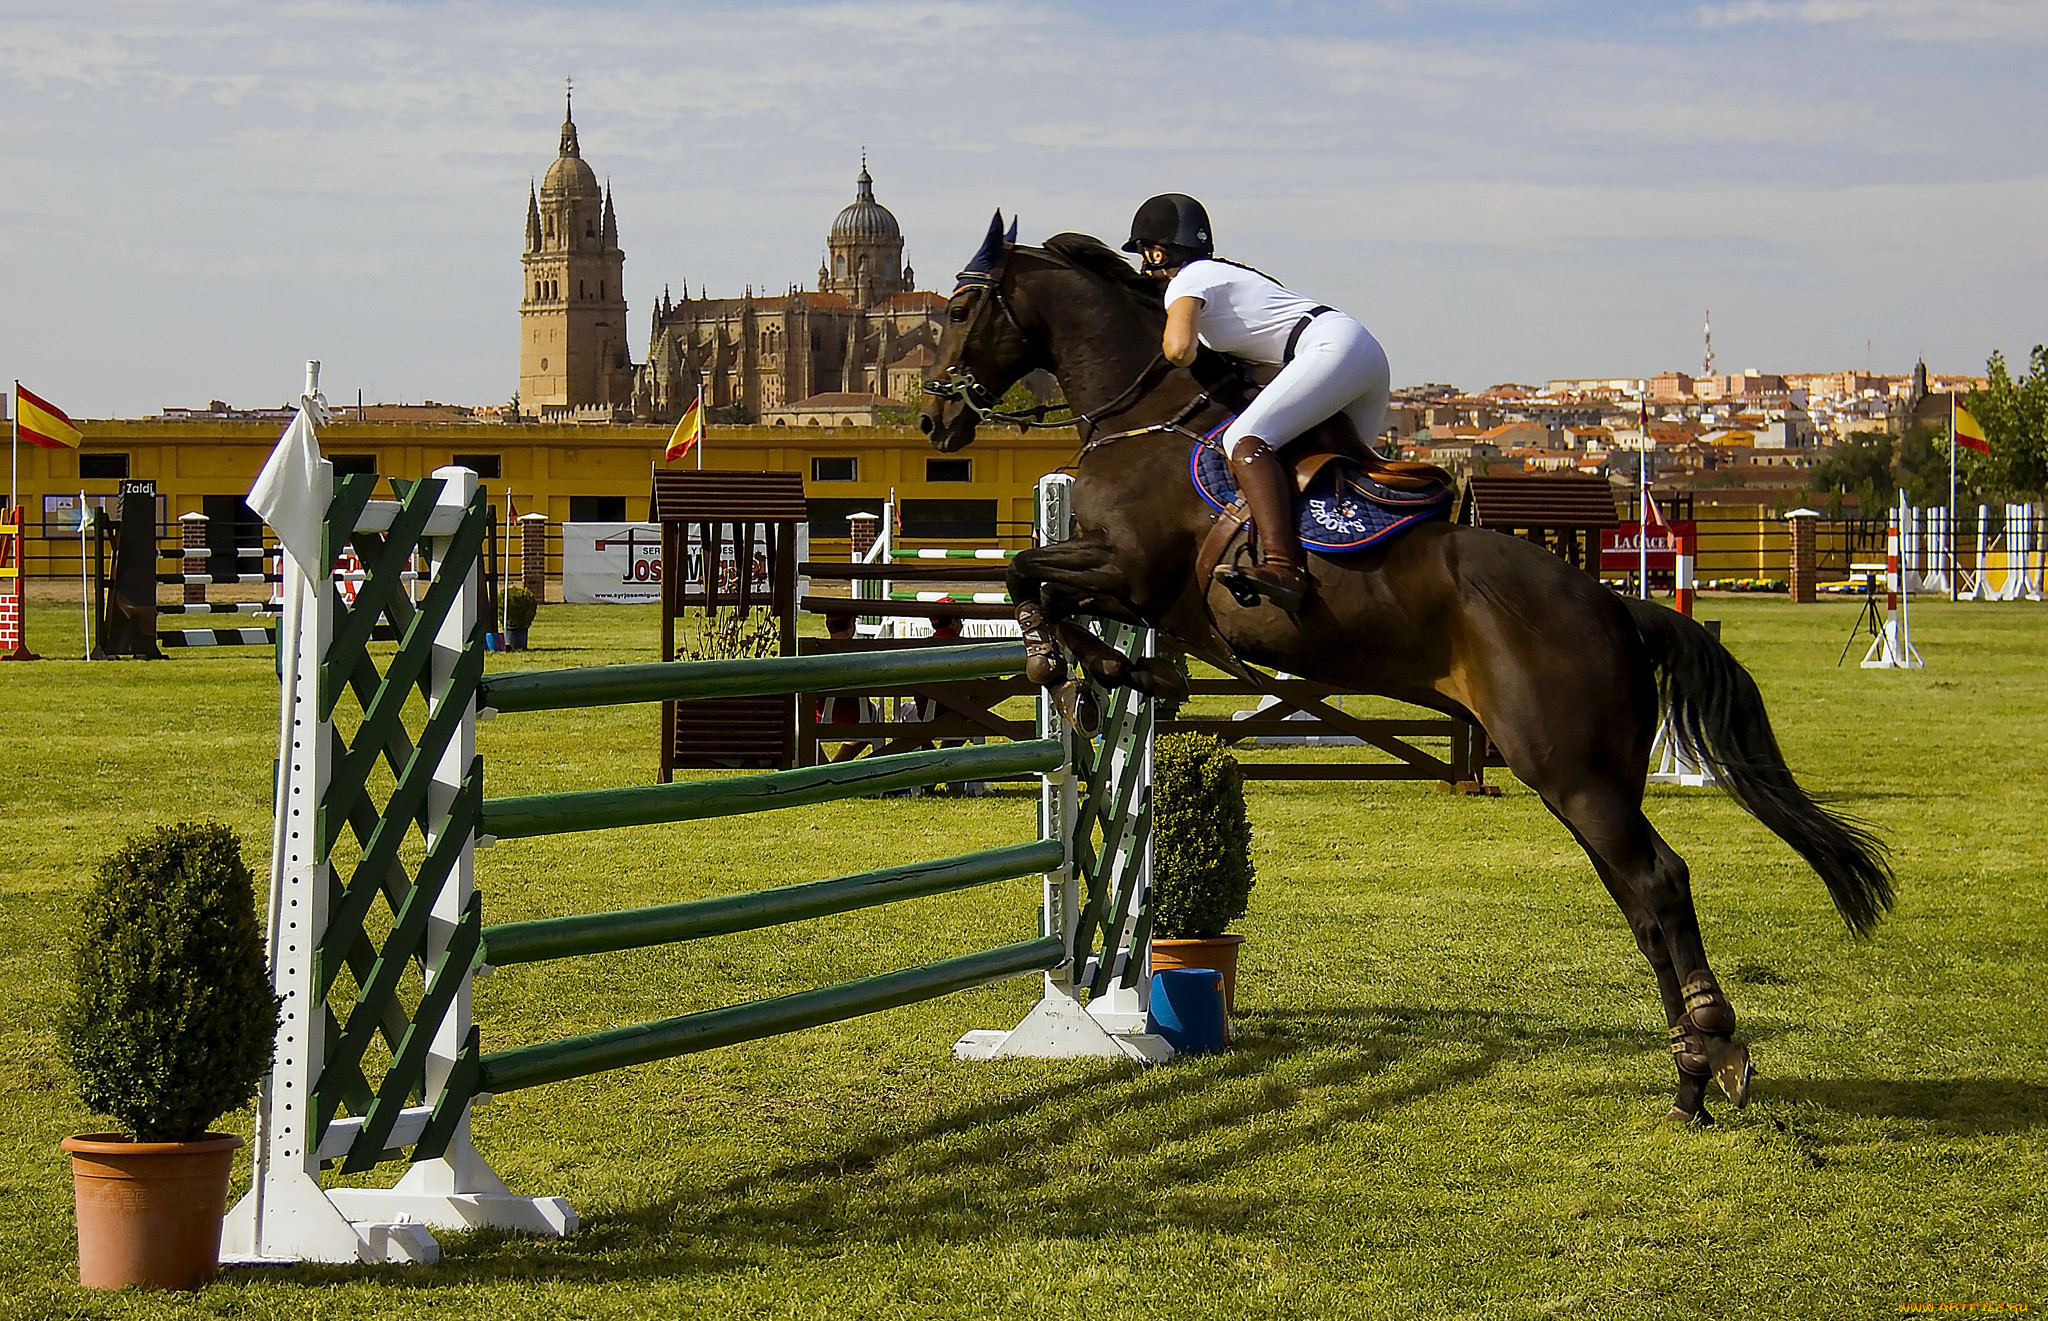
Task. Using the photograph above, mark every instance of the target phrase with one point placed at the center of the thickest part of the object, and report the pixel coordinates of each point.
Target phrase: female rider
(1328, 362)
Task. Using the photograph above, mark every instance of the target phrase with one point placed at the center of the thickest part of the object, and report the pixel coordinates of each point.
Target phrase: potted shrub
(520, 608)
(170, 1025)
(1201, 856)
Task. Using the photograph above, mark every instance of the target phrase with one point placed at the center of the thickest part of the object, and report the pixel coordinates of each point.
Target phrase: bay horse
(1570, 680)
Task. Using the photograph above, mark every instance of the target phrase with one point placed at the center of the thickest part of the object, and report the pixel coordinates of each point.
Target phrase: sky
(199, 196)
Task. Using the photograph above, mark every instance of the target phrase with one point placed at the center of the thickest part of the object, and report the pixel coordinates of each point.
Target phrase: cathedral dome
(571, 176)
(866, 220)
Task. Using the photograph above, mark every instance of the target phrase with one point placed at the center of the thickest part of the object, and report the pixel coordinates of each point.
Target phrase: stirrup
(1250, 584)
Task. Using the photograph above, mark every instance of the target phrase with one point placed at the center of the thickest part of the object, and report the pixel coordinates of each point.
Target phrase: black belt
(1294, 335)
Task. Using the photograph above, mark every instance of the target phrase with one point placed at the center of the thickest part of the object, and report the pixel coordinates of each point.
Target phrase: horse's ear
(1011, 238)
(990, 255)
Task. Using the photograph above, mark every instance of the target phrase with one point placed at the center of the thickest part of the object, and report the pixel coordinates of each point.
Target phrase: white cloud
(1896, 20)
(202, 195)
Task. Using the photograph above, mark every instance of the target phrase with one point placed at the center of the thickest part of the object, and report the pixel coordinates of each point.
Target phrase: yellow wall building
(979, 497)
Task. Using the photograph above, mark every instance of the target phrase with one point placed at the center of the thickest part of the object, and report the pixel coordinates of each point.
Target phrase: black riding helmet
(1173, 221)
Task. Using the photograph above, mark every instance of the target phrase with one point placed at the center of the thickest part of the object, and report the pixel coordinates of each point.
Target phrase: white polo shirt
(1243, 312)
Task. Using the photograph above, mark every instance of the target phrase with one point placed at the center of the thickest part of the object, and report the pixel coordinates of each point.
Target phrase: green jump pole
(771, 676)
(604, 933)
(695, 800)
(573, 1057)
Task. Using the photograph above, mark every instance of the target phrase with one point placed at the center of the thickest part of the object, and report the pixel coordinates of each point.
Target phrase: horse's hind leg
(1653, 888)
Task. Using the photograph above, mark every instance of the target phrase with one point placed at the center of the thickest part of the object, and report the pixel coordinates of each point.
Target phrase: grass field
(1446, 1098)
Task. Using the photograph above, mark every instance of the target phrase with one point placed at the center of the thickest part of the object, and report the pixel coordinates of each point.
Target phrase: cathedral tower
(864, 251)
(572, 314)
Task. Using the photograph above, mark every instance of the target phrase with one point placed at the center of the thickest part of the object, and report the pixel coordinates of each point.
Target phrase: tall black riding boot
(1280, 574)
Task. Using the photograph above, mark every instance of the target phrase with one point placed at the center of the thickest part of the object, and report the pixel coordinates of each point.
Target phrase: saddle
(1344, 502)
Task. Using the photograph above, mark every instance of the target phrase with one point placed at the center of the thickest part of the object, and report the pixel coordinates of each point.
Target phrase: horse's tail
(1717, 716)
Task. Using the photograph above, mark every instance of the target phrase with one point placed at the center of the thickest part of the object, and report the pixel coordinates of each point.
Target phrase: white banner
(611, 563)
(620, 563)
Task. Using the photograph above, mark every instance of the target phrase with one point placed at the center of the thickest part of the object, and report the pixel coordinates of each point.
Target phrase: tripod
(1871, 620)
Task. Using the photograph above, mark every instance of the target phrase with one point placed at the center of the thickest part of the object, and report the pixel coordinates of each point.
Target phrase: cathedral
(864, 331)
(573, 356)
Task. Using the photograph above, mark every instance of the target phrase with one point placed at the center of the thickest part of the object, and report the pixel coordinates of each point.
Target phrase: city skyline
(1503, 191)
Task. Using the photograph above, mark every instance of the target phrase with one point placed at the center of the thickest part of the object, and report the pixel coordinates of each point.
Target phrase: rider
(1328, 362)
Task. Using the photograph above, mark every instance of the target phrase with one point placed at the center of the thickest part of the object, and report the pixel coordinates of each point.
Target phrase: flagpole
(14, 458)
(702, 430)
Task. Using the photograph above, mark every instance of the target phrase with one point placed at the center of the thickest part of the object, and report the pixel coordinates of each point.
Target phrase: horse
(1570, 680)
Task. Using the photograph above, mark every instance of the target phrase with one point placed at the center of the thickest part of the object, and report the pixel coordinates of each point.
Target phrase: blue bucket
(1187, 1010)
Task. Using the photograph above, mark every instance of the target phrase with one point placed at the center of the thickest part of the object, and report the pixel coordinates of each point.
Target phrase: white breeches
(1338, 367)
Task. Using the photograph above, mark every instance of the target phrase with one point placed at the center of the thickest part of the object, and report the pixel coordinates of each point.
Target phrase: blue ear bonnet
(986, 266)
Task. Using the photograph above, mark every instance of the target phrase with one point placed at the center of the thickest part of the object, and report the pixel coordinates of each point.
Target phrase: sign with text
(1622, 547)
(611, 563)
(620, 563)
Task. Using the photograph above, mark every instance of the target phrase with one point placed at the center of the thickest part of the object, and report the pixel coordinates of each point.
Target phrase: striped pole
(193, 528)
(1683, 544)
(1893, 647)
(1891, 568)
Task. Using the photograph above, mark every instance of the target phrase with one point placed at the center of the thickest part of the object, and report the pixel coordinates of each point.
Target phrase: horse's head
(982, 351)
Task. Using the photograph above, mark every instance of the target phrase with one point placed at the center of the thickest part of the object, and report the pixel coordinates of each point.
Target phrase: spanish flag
(689, 430)
(1969, 433)
(43, 423)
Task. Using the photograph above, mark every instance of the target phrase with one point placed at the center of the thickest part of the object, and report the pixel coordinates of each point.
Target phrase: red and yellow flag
(1969, 434)
(689, 430)
(42, 422)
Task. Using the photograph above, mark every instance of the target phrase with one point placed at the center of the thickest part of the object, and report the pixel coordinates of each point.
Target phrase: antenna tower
(1707, 366)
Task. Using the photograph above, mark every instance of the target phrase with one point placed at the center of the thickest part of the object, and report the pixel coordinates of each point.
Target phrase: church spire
(569, 147)
(532, 218)
(611, 221)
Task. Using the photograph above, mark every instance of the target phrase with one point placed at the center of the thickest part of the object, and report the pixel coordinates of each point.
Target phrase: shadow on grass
(1965, 1107)
(1105, 1149)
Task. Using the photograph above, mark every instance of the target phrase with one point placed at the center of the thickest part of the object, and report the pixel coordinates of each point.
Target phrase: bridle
(961, 386)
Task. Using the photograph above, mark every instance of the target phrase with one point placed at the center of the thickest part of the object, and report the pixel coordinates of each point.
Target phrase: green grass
(1446, 1098)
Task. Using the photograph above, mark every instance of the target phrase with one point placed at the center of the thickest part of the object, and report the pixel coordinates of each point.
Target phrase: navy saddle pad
(1342, 510)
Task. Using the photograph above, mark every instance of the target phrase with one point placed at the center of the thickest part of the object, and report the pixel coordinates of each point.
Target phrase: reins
(960, 385)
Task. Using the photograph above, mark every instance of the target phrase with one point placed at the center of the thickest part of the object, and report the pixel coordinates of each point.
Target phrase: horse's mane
(1091, 254)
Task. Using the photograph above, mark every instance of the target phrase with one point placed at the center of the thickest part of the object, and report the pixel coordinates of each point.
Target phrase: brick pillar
(1805, 555)
(13, 567)
(194, 528)
(533, 554)
(863, 529)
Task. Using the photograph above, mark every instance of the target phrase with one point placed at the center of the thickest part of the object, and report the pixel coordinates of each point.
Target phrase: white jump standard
(340, 851)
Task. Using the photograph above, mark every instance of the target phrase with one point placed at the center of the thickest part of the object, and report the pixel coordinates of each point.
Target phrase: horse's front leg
(1048, 583)
(1154, 676)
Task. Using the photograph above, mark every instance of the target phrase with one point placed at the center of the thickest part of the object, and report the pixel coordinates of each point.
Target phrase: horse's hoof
(1078, 707)
(1690, 1118)
(1729, 1059)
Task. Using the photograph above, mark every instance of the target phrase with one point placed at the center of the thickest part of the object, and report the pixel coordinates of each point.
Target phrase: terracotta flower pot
(1218, 952)
(149, 1213)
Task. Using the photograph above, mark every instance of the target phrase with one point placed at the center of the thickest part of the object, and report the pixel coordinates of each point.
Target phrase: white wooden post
(459, 1190)
(287, 1216)
(1111, 1026)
